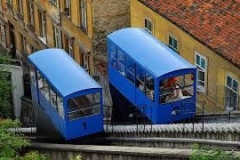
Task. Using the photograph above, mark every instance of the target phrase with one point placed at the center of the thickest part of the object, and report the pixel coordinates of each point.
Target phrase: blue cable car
(150, 77)
(67, 100)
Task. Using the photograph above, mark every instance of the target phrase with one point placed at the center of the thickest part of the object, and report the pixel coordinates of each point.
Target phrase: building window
(1, 6)
(20, 7)
(54, 2)
(173, 42)
(83, 18)
(201, 64)
(68, 45)
(148, 25)
(3, 35)
(24, 45)
(42, 26)
(231, 93)
(33, 49)
(85, 62)
(31, 14)
(10, 3)
(57, 38)
(67, 8)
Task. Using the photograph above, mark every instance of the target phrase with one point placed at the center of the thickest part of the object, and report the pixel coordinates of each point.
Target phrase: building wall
(217, 68)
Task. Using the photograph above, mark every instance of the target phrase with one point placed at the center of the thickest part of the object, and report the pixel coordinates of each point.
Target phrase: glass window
(140, 79)
(235, 86)
(130, 69)
(231, 94)
(148, 25)
(113, 54)
(172, 42)
(201, 64)
(176, 88)
(32, 75)
(83, 18)
(121, 60)
(149, 86)
(82, 106)
(85, 62)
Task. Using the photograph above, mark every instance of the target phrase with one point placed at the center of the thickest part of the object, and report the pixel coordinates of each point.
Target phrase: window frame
(231, 87)
(146, 26)
(67, 8)
(30, 7)
(55, 3)
(20, 7)
(10, 3)
(69, 45)
(83, 15)
(1, 6)
(57, 36)
(200, 69)
(85, 60)
(24, 43)
(172, 45)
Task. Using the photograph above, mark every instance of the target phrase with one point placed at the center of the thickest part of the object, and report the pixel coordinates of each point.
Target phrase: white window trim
(43, 25)
(233, 78)
(83, 10)
(201, 88)
(57, 36)
(145, 27)
(173, 37)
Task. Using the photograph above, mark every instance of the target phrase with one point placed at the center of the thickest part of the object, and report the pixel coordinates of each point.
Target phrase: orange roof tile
(215, 23)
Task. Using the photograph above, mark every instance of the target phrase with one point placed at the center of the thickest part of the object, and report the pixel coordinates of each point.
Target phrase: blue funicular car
(140, 70)
(67, 100)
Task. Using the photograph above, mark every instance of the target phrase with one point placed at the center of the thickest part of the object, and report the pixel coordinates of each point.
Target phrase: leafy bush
(201, 153)
(11, 143)
(35, 156)
(6, 109)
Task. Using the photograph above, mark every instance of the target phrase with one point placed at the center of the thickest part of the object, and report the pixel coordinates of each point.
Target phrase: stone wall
(87, 152)
(108, 16)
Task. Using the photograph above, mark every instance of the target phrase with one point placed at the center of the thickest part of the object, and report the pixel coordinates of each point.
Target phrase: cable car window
(39, 80)
(53, 98)
(130, 69)
(140, 79)
(149, 86)
(176, 88)
(60, 106)
(113, 54)
(82, 106)
(43, 86)
(32, 75)
(121, 61)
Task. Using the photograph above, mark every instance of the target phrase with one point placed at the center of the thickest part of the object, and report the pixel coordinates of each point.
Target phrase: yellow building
(206, 33)
(78, 26)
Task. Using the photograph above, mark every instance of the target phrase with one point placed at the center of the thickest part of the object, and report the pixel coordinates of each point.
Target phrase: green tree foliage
(6, 109)
(11, 143)
(201, 153)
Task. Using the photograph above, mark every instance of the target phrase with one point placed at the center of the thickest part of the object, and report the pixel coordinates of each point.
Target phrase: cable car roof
(62, 71)
(149, 52)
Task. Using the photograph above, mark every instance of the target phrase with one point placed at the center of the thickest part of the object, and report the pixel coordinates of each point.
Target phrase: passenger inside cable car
(176, 88)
